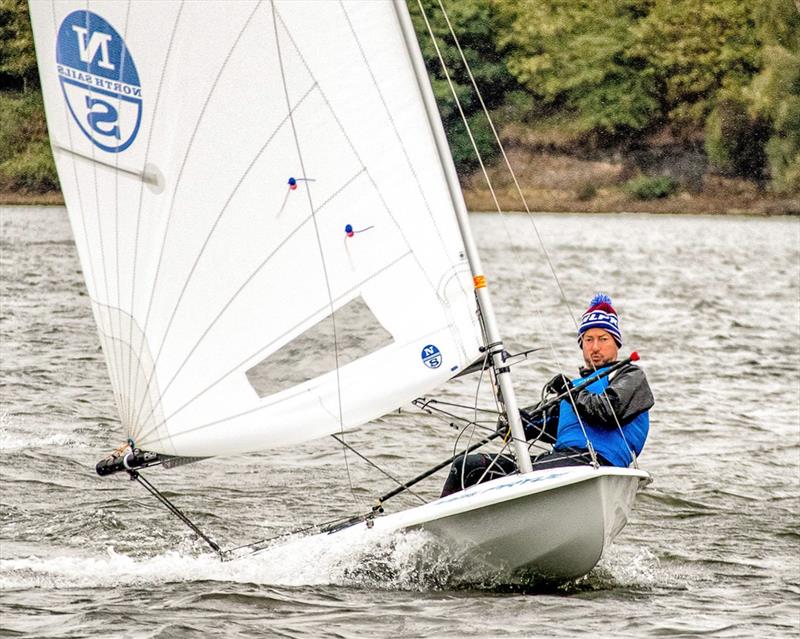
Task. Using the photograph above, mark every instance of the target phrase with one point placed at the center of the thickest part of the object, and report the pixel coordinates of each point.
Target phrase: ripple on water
(712, 305)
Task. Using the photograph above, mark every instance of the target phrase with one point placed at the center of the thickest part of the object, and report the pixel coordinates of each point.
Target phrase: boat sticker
(520, 480)
(99, 80)
(431, 356)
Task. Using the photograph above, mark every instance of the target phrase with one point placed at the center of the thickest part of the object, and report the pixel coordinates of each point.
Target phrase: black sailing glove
(558, 385)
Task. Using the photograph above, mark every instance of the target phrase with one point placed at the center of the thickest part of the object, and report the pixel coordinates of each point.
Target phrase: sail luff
(495, 342)
(239, 291)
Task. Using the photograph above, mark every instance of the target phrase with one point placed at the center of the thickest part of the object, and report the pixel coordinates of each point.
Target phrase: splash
(411, 560)
(11, 441)
(634, 568)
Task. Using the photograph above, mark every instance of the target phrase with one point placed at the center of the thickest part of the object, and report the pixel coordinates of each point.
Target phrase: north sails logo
(431, 356)
(99, 80)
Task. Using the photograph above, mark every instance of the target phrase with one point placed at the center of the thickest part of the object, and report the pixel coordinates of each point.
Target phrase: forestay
(234, 174)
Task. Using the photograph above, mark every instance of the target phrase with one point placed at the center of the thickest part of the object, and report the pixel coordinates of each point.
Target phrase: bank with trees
(602, 104)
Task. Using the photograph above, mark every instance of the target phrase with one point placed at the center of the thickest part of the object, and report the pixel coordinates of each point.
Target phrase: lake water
(713, 548)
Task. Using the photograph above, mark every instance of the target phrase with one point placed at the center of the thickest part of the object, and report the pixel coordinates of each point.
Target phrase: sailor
(608, 417)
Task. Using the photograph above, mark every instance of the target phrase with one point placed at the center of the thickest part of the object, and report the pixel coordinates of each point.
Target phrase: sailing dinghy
(246, 180)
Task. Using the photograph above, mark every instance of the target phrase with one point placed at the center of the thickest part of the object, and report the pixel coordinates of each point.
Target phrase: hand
(558, 385)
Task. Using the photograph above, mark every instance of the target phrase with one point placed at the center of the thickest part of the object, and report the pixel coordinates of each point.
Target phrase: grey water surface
(712, 304)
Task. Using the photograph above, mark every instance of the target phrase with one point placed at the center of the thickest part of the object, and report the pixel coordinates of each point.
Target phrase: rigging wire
(475, 414)
(488, 180)
(478, 93)
(136, 476)
(546, 253)
(517, 257)
(319, 246)
(374, 465)
(529, 215)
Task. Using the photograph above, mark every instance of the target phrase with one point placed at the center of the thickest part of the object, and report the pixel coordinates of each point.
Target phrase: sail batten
(225, 201)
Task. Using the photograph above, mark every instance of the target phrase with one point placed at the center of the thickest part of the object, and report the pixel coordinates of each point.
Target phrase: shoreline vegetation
(558, 184)
(661, 106)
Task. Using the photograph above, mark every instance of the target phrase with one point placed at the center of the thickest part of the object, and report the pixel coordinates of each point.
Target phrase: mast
(495, 345)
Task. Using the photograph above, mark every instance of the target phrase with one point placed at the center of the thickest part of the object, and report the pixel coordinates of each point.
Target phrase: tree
(775, 92)
(575, 57)
(26, 163)
(696, 49)
(477, 24)
(17, 56)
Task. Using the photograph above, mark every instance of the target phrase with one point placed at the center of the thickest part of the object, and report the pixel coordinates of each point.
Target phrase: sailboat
(244, 180)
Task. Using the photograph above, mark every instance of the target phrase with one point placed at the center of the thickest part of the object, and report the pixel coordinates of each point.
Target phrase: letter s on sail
(99, 80)
(104, 114)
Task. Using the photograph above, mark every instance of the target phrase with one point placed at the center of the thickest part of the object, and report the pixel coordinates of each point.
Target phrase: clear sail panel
(256, 198)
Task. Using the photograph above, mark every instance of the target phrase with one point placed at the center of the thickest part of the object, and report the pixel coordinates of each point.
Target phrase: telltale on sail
(208, 269)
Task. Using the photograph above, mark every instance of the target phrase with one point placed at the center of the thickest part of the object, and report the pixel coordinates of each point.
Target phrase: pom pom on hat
(600, 298)
(600, 314)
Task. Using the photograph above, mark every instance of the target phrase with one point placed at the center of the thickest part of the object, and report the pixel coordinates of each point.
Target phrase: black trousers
(480, 467)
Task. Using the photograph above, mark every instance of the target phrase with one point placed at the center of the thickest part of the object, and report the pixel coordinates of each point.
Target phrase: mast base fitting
(127, 461)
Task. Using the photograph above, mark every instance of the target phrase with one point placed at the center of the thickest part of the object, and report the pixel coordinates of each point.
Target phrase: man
(609, 415)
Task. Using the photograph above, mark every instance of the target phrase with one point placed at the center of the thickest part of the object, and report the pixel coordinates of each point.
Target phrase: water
(711, 303)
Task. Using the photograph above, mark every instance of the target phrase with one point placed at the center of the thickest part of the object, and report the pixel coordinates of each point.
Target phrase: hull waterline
(550, 524)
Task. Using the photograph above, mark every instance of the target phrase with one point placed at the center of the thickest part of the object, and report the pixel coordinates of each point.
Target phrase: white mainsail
(240, 176)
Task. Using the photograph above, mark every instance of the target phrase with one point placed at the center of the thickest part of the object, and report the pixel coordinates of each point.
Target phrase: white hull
(552, 524)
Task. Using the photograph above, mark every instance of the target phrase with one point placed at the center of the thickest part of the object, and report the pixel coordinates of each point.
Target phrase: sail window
(311, 354)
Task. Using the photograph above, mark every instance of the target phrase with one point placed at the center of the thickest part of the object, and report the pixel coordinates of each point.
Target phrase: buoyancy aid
(612, 445)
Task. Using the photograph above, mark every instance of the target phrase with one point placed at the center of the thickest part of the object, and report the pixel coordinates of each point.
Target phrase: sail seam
(267, 348)
(265, 405)
(118, 397)
(118, 365)
(213, 228)
(241, 288)
(171, 209)
(139, 208)
(410, 165)
(375, 84)
(314, 220)
(360, 160)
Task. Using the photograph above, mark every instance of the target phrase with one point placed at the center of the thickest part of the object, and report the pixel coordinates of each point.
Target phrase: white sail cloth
(177, 129)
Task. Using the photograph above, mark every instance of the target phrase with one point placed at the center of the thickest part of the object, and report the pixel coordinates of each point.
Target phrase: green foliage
(774, 93)
(477, 24)
(17, 57)
(605, 73)
(26, 163)
(574, 56)
(694, 48)
(645, 187)
(735, 139)
(461, 146)
(783, 148)
(31, 171)
(587, 192)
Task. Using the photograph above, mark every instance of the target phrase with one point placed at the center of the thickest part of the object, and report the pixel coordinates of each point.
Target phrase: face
(599, 348)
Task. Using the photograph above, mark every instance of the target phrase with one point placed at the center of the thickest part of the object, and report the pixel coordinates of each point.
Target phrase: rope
(136, 476)
(524, 201)
(475, 413)
(374, 465)
(517, 257)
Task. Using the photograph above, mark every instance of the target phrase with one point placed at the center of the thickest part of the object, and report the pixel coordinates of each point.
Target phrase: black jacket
(627, 396)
